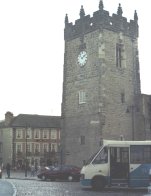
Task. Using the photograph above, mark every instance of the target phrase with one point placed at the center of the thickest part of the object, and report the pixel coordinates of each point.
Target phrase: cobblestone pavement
(40, 188)
(31, 186)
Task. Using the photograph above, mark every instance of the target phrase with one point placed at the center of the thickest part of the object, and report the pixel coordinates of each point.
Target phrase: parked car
(0, 172)
(42, 170)
(60, 172)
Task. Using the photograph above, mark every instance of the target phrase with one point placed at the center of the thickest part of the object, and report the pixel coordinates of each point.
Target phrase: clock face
(82, 58)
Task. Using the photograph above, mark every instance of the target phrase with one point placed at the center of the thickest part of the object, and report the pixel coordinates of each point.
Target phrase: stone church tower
(101, 87)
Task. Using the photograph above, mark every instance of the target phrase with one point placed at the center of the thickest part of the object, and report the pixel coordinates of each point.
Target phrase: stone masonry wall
(110, 110)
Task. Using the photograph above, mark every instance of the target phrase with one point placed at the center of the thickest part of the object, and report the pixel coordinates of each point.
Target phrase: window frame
(45, 150)
(54, 147)
(19, 132)
(17, 149)
(35, 133)
(28, 148)
(46, 133)
(82, 97)
(139, 154)
(28, 132)
(37, 150)
(53, 134)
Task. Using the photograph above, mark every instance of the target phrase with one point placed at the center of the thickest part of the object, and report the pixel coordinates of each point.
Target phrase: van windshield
(102, 157)
(90, 159)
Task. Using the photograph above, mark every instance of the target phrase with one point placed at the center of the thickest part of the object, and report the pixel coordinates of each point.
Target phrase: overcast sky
(32, 50)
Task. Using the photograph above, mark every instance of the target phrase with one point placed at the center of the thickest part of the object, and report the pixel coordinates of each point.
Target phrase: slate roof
(36, 121)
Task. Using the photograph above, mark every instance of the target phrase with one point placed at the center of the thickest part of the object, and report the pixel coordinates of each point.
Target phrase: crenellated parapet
(101, 19)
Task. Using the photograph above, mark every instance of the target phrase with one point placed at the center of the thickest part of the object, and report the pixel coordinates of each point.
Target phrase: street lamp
(60, 152)
(26, 152)
(14, 149)
(61, 156)
(131, 109)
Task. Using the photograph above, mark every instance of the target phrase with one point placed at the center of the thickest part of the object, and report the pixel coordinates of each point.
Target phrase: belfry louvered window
(119, 51)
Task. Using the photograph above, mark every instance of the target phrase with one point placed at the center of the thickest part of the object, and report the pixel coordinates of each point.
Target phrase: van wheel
(98, 183)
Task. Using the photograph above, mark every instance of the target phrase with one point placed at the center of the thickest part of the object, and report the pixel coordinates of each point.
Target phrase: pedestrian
(8, 170)
(32, 170)
(36, 168)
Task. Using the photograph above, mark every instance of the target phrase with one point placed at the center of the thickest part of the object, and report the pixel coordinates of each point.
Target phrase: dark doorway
(119, 163)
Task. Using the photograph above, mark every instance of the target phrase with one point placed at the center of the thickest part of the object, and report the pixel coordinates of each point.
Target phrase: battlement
(101, 20)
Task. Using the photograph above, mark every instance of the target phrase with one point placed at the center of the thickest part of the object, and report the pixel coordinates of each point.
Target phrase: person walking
(32, 170)
(8, 170)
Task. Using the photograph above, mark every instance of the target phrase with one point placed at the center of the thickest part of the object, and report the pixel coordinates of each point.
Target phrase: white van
(118, 163)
